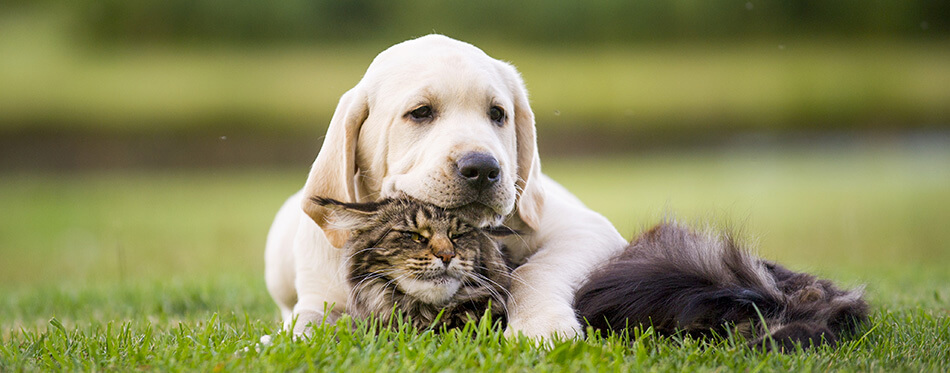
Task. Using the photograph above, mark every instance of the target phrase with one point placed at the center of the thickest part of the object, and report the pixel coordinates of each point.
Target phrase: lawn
(163, 269)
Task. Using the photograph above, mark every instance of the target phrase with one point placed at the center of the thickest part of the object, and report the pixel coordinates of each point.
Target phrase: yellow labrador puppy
(439, 120)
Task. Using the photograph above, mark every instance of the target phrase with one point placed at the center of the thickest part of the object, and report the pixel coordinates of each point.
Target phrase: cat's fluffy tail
(678, 280)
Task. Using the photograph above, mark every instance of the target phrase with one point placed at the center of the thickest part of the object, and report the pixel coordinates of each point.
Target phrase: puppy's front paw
(305, 321)
(554, 324)
(266, 340)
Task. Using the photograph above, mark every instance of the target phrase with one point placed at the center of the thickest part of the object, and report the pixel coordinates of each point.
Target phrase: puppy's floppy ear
(531, 200)
(335, 167)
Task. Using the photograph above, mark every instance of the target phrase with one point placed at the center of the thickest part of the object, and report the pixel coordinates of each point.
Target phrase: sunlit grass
(218, 326)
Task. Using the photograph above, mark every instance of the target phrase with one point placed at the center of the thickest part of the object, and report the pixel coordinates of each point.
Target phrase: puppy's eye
(497, 115)
(421, 113)
(415, 237)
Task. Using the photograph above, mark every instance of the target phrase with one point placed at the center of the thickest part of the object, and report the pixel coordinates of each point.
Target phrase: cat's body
(678, 280)
(433, 266)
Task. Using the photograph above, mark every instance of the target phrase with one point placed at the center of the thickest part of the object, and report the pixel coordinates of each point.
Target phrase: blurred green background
(117, 83)
(154, 139)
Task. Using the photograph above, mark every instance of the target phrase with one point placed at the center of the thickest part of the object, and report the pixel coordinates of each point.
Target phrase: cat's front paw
(559, 324)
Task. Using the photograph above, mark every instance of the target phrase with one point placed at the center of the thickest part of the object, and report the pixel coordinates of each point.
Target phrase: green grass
(163, 270)
(227, 342)
(54, 81)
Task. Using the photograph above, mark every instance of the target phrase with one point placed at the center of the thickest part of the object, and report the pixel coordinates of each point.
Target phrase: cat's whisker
(345, 263)
(373, 276)
(395, 280)
(384, 291)
(514, 277)
(491, 285)
(481, 281)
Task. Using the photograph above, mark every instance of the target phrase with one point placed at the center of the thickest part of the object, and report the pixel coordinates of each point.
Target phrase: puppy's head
(440, 121)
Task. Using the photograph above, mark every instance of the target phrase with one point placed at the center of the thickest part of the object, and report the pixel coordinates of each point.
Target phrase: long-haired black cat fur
(679, 280)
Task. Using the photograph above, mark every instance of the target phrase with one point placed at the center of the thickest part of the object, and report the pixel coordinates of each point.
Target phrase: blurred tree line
(851, 65)
(539, 21)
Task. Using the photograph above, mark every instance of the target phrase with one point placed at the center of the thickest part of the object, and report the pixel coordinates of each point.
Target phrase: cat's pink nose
(446, 256)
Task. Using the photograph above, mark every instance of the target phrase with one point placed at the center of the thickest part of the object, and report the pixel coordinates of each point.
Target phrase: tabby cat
(678, 280)
(422, 260)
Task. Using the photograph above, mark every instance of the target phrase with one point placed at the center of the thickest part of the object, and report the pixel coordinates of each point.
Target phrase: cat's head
(421, 249)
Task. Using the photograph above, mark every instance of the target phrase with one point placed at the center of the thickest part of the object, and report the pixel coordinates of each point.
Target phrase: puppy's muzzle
(479, 171)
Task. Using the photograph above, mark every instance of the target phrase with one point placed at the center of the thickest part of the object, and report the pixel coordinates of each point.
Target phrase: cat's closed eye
(415, 236)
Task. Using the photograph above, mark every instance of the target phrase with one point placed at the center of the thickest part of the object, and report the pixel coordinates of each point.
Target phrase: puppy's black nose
(479, 169)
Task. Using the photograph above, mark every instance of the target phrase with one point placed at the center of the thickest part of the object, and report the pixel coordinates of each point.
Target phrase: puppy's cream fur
(373, 149)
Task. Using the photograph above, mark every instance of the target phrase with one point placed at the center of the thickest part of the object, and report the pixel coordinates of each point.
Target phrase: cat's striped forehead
(418, 216)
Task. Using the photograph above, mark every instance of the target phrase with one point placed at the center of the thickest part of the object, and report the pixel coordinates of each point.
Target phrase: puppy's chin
(480, 211)
(478, 215)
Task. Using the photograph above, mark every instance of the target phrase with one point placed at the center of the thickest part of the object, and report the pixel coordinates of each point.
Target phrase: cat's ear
(347, 217)
(499, 231)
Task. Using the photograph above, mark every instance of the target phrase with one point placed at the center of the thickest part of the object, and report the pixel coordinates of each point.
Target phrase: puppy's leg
(572, 241)
(279, 271)
(321, 293)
